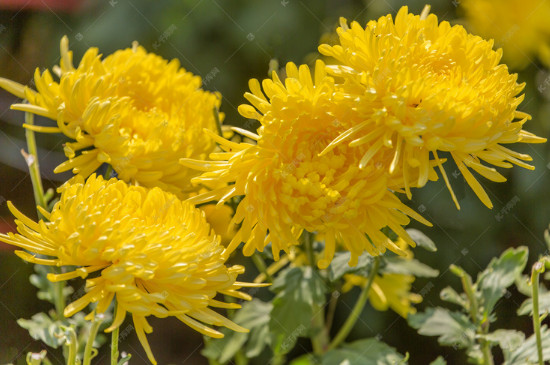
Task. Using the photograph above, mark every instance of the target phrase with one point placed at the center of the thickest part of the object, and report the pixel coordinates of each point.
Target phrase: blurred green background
(228, 42)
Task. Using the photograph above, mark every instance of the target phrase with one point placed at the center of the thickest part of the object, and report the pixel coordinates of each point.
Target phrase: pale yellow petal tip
(425, 12)
(13, 210)
(262, 285)
(13, 87)
(323, 264)
(64, 44)
(343, 23)
(21, 254)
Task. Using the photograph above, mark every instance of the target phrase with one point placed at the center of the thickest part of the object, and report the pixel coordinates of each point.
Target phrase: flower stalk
(260, 264)
(89, 351)
(71, 343)
(357, 309)
(483, 325)
(538, 268)
(114, 345)
(32, 162)
(319, 338)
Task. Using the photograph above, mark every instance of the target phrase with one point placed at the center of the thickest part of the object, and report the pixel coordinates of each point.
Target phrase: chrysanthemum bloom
(219, 217)
(387, 291)
(151, 252)
(288, 187)
(426, 87)
(520, 27)
(133, 110)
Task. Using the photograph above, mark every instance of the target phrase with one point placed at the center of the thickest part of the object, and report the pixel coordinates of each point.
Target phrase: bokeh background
(228, 42)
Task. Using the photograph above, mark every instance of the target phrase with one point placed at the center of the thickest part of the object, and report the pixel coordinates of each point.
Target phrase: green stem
(308, 244)
(108, 172)
(357, 309)
(32, 162)
(486, 350)
(59, 298)
(230, 312)
(333, 301)
(240, 359)
(114, 345)
(278, 359)
(88, 356)
(218, 121)
(72, 344)
(535, 273)
(319, 337)
(261, 266)
(482, 326)
(468, 287)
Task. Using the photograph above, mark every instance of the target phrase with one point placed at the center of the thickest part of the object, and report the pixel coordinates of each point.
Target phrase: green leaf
(307, 359)
(339, 265)
(41, 327)
(500, 274)
(475, 355)
(452, 328)
(46, 289)
(422, 240)
(439, 361)
(299, 290)
(224, 349)
(507, 340)
(367, 351)
(400, 265)
(544, 305)
(523, 285)
(526, 353)
(257, 321)
(448, 294)
(254, 315)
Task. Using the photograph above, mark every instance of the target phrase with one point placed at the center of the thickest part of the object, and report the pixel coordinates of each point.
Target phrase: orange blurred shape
(59, 5)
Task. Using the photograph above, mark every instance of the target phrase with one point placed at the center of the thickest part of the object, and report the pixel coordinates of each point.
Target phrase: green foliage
(46, 289)
(526, 352)
(452, 328)
(469, 328)
(368, 351)
(527, 306)
(339, 265)
(400, 265)
(499, 275)
(42, 327)
(254, 315)
(422, 240)
(507, 340)
(439, 361)
(299, 290)
(51, 331)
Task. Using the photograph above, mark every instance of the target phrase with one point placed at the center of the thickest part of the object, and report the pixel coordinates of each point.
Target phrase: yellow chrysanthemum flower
(151, 252)
(288, 187)
(520, 27)
(387, 291)
(133, 110)
(425, 87)
(219, 217)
